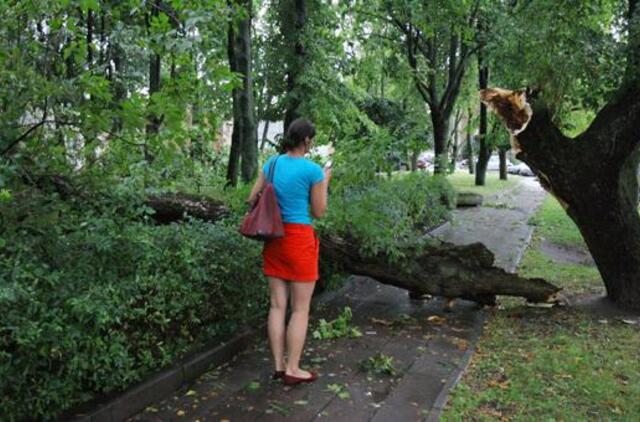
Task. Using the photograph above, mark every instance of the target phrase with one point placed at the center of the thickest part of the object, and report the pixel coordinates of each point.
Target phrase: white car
(522, 169)
(494, 163)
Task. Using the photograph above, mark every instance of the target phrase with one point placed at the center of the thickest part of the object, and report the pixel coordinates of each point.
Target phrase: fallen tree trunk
(444, 270)
(171, 207)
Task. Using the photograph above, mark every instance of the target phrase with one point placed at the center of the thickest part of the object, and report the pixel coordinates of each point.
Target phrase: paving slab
(430, 348)
(501, 225)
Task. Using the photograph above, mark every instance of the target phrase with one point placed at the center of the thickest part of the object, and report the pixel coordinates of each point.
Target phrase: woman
(291, 262)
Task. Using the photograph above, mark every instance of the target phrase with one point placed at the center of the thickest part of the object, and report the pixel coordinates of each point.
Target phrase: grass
(552, 364)
(553, 224)
(462, 181)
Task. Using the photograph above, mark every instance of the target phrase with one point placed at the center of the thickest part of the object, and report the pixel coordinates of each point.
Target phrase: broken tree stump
(468, 199)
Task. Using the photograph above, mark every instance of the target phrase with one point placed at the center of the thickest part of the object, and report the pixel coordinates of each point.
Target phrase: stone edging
(162, 384)
(523, 247)
(165, 382)
(456, 375)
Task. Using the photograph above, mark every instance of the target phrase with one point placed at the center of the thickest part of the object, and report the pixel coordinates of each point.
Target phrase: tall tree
(438, 42)
(595, 174)
(293, 18)
(244, 145)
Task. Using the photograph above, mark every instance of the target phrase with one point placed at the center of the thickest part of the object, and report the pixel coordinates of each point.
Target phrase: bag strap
(272, 169)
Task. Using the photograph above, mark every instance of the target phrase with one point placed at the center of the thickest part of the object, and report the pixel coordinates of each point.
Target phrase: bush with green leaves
(339, 327)
(93, 300)
(389, 214)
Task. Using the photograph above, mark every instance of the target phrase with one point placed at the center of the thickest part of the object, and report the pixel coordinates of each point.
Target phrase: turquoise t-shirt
(292, 181)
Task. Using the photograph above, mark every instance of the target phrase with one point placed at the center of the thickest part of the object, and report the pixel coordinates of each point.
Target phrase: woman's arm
(257, 188)
(319, 195)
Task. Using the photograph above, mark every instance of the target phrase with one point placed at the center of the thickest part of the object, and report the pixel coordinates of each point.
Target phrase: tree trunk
(470, 159)
(414, 160)
(293, 17)
(155, 63)
(265, 131)
(502, 153)
(446, 270)
(236, 136)
(90, 25)
(174, 207)
(455, 135)
(249, 143)
(485, 151)
(440, 135)
(594, 176)
(153, 120)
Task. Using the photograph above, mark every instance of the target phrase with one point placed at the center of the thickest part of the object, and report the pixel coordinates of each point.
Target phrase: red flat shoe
(291, 380)
(277, 375)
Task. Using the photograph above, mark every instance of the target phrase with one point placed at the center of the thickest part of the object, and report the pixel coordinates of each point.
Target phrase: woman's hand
(327, 171)
(256, 190)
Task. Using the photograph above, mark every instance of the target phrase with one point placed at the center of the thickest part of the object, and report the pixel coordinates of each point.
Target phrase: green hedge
(93, 296)
(90, 307)
(389, 215)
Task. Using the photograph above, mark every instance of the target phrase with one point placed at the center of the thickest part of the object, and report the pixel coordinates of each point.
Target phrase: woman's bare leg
(297, 330)
(276, 322)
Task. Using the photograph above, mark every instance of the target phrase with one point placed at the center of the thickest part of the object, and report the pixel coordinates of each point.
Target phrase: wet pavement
(427, 347)
(425, 344)
(501, 223)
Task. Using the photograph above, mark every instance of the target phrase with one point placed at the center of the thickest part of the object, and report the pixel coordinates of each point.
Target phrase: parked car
(521, 169)
(425, 161)
(494, 163)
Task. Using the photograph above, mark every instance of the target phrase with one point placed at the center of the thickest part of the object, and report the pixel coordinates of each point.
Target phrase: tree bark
(236, 136)
(293, 17)
(470, 160)
(594, 176)
(502, 153)
(249, 143)
(446, 270)
(155, 66)
(440, 134)
(265, 131)
(454, 140)
(174, 207)
(485, 151)
(414, 160)
(90, 26)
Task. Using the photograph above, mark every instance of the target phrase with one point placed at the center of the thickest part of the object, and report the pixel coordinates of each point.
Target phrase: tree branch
(28, 132)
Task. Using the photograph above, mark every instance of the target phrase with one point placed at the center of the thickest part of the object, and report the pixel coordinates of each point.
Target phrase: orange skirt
(293, 257)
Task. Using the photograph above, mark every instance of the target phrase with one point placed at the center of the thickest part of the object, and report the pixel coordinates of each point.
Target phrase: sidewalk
(430, 349)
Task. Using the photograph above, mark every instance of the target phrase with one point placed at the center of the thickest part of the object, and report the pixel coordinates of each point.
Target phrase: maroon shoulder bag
(264, 221)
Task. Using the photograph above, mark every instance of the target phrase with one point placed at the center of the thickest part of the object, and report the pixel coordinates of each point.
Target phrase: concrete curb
(438, 230)
(525, 245)
(163, 383)
(456, 375)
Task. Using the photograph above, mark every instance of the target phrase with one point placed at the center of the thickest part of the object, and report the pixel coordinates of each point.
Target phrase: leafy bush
(388, 215)
(92, 301)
